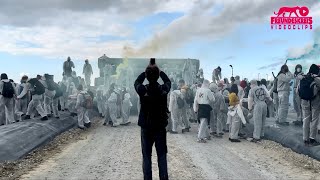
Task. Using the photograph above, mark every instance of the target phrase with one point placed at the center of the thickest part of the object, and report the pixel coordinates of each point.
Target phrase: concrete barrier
(18, 139)
(288, 136)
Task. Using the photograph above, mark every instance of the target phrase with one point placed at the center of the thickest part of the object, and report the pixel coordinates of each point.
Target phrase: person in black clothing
(153, 118)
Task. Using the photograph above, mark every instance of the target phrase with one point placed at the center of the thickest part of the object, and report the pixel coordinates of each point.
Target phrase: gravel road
(114, 153)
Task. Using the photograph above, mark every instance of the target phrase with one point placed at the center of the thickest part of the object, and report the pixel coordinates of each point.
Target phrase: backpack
(8, 90)
(63, 87)
(306, 89)
(88, 101)
(189, 96)
(39, 89)
(275, 85)
(180, 102)
(51, 85)
(58, 90)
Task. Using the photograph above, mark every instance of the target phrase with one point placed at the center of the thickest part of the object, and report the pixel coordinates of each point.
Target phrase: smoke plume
(208, 21)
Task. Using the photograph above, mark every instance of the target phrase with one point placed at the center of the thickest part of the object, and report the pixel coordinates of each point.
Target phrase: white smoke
(202, 23)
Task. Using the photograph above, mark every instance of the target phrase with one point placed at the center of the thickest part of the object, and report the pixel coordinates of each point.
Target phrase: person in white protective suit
(216, 75)
(235, 117)
(183, 111)
(49, 93)
(202, 106)
(298, 75)
(67, 67)
(219, 108)
(178, 114)
(257, 104)
(100, 101)
(190, 111)
(187, 76)
(37, 91)
(240, 89)
(126, 107)
(87, 71)
(72, 93)
(107, 70)
(119, 102)
(55, 102)
(63, 99)
(83, 117)
(225, 93)
(268, 102)
(237, 80)
(283, 88)
(112, 107)
(108, 120)
(275, 98)
(21, 106)
(310, 108)
(7, 95)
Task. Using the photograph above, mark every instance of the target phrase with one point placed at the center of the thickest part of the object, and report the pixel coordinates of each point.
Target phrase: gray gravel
(114, 153)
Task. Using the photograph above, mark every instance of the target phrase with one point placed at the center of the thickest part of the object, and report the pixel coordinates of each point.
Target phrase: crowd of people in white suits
(218, 106)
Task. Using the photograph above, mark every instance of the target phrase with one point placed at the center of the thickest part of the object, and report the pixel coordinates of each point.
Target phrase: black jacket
(153, 100)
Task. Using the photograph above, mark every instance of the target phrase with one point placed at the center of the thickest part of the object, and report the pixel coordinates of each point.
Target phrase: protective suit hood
(205, 84)
(214, 88)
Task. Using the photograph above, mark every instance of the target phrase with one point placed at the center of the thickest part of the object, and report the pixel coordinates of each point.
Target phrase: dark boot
(306, 142)
(87, 125)
(313, 142)
(234, 140)
(27, 117)
(44, 118)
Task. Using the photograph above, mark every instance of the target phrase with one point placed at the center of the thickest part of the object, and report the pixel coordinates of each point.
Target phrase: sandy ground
(114, 153)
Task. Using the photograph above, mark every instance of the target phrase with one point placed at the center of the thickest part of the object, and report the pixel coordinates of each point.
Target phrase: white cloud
(61, 28)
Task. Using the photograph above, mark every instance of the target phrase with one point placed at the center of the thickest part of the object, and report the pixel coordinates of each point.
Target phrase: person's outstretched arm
(138, 84)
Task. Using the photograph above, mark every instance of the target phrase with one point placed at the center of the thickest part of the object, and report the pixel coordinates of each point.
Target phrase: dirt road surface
(115, 153)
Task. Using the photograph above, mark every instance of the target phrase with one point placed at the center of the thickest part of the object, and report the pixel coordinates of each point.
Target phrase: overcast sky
(38, 35)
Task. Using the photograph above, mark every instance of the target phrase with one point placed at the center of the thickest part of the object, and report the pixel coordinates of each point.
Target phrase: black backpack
(306, 89)
(39, 89)
(189, 96)
(8, 90)
(51, 85)
(180, 102)
(58, 90)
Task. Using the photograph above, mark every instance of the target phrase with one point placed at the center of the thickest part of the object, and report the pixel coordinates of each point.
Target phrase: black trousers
(159, 138)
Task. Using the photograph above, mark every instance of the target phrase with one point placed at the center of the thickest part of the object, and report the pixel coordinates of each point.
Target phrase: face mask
(298, 69)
